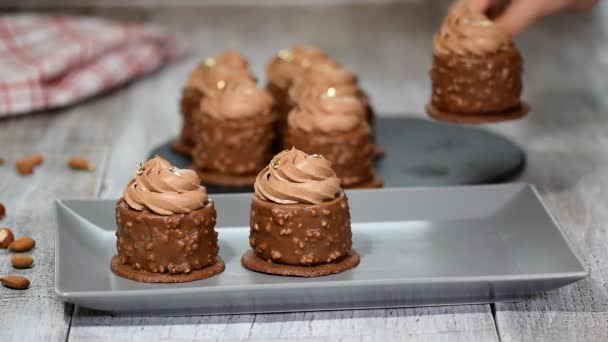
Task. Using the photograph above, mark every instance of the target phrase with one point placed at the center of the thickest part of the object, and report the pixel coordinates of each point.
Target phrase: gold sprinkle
(209, 62)
(331, 92)
(275, 164)
(285, 55)
(221, 84)
(140, 168)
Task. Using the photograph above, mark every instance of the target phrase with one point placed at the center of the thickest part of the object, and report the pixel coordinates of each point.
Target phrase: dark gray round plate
(424, 153)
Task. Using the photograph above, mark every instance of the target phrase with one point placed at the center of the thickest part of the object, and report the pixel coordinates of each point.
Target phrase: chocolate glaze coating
(351, 154)
(189, 103)
(234, 147)
(490, 84)
(172, 244)
(281, 107)
(300, 234)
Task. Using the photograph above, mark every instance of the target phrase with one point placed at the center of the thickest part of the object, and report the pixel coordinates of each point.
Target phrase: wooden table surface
(565, 138)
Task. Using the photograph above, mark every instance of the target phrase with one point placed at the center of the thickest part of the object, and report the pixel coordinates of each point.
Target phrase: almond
(22, 261)
(23, 244)
(2, 211)
(6, 237)
(15, 282)
(26, 165)
(77, 163)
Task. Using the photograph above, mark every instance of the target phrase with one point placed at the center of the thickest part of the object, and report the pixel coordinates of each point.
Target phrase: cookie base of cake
(470, 118)
(254, 263)
(179, 147)
(126, 271)
(223, 179)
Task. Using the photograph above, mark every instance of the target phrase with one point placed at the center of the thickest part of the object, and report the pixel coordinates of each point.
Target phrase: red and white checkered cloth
(53, 61)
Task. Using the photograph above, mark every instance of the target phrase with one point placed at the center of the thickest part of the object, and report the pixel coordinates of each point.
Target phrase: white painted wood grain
(451, 323)
(36, 314)
(455, 323)
(566, 140)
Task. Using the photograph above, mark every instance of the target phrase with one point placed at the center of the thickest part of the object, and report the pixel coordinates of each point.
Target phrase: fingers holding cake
(477, 70)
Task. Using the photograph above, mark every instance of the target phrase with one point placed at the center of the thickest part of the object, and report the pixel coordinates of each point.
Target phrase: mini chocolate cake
(321, 78)
(166, 227)
(284, 68)
(235, 135)
(214, 72)
(335, 127)
(477, 70)
(300, 220)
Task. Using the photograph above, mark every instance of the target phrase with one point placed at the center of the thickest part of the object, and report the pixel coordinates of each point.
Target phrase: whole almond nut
(22, 261)
(26, 165)
(77, 163)
(23, 244)
(15, 282)
(2, 211)
(6, 237)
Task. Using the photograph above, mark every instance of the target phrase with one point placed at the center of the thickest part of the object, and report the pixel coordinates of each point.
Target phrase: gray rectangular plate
(418, 246)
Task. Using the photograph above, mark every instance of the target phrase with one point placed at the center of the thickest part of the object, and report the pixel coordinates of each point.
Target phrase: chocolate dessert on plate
(284, 68)
(166, 227)
(335, 127)
(320, 78)
(477, 70)
(300, 219)
(210, 74)
(236, 132)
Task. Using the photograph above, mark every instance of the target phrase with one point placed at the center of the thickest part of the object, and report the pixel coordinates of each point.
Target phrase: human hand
(515, 15)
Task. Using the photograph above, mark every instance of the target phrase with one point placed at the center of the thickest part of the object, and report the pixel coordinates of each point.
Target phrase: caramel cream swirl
(229, 58)
(466, 32)
(237, 101)
(328, 113)
(296, 177)
(317, 79)
(164, 189)
(210, 79)
(289, 63)
(216, 72)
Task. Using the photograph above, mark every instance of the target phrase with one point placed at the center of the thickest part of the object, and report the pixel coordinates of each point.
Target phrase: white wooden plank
(566, 142)
(96, 326)
(450, 323)
(35, 313)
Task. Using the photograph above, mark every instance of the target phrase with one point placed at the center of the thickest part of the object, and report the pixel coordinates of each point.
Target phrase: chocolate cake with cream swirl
(323, 78)
(300, 219)
(235, 136)
(210, 75)
(477, 70)
(335, 127)
(165, 227)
